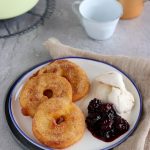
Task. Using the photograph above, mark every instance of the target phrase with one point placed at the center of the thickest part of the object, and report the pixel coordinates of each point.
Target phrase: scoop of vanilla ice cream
(101, 90)
(110, 87)
(122, 100)
(113, 79)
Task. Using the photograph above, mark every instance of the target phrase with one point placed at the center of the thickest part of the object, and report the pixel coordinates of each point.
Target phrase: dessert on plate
(48, 96)
(105, 112)
(109, 87)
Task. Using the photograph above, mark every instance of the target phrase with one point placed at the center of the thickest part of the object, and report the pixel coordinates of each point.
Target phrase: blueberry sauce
(103, 121)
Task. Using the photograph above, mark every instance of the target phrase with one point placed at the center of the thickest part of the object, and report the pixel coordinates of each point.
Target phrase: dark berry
(111, 114)
(103, 121)
(94, 105)
(121, 125)
(106, 125)
(106, 107)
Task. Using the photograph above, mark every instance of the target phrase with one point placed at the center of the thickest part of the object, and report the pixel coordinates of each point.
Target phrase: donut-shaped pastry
(43, 87)
(73, 73)
(58, 126)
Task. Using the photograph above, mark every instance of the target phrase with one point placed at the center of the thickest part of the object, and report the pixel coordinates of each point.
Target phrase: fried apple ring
(41, 88)
(73, 73)
(57, 126)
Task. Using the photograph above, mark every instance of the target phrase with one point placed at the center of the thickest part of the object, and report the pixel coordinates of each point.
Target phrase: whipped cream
(123, 100)
(110, 87)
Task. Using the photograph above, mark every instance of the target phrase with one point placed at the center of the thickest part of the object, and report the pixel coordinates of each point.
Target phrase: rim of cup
(118, 4)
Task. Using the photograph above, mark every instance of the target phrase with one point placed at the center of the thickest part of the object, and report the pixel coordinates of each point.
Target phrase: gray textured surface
(19, 53)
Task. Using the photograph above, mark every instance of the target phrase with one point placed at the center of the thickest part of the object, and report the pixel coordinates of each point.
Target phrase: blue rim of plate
(28, 142)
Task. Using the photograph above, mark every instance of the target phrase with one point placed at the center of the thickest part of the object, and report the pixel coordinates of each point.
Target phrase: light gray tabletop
(17, 54)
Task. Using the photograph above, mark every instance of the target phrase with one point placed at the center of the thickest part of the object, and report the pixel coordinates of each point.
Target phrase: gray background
(17, 54)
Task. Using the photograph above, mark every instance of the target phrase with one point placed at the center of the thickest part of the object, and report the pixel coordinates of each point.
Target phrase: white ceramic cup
(98, 17)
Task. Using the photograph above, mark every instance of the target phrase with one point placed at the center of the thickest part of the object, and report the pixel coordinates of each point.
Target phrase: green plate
(13, 8)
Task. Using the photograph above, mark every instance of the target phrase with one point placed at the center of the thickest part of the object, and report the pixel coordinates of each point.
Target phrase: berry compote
(103, 121)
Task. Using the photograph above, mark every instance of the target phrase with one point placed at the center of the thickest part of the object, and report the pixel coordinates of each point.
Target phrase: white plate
(93, 68)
